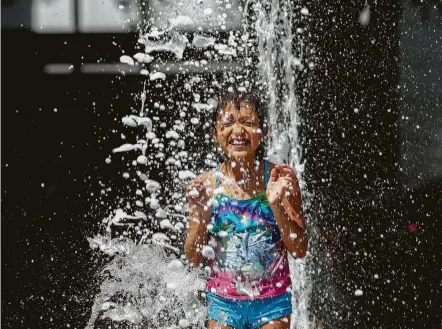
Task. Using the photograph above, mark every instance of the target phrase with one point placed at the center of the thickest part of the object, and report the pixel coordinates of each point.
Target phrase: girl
(244, 217)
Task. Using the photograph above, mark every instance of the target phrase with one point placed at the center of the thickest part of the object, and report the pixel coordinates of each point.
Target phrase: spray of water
(147, 282)
(277, 61)
(142, 286)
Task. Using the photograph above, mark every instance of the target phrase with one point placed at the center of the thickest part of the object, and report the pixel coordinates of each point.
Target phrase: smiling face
(238, 130)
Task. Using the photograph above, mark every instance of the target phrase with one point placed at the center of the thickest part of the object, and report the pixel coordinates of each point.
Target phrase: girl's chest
(242, 193)
(230, 214)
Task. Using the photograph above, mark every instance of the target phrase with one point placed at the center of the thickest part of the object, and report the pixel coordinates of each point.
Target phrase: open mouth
(239, 142)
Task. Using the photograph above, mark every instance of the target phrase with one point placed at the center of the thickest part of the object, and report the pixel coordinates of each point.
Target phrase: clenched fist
(282, 180)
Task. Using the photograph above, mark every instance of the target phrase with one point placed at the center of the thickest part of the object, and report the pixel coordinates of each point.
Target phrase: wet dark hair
(252, 99)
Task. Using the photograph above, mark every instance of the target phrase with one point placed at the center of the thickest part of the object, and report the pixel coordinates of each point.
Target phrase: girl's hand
(197, 195)
(282, 179)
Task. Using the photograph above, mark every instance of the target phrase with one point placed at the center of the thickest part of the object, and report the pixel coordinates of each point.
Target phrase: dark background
(47, 266)
(370, 169)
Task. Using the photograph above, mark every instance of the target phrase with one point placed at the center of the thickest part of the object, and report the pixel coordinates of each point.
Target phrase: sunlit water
(277, 62)
(147, 283)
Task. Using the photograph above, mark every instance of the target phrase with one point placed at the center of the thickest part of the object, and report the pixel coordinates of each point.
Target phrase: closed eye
(250, 123)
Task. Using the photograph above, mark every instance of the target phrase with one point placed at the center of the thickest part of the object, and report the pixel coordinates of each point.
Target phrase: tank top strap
(217, 175)
(266, 174)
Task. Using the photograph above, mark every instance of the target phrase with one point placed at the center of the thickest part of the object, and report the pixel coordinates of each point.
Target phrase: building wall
(421, 101)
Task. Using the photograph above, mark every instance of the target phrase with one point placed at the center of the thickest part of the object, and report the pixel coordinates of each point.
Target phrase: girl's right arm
(199, 218)
(197, 236)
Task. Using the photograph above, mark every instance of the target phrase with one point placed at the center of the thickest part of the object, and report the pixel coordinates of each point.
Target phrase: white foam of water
(143, 58)
(184, 323)
(304, 11)
(129, 121)
(364, 16)
(108, 246)
(203, 106)
(150, 135)
(154, 33)
(175, 266)
(186, 174)
(358, 292)
(154, 203)
(127, 60)
(208, 252)
(172, 134)
(142, 159)
(176, 45)
(157, 75)
(181, 20)
(202, 42)
(125, 313)
(127, 147)
(161, 213)
(208, 11)
(225, 49)
(160, 237)
(166, 224)
(157, 291)
(143, 121)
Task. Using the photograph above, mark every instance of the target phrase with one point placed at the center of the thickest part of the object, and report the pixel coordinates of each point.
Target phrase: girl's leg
(214, 324)
(279, 323)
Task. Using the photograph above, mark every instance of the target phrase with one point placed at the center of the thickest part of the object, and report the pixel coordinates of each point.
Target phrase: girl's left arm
(288, 210)
(293, 236)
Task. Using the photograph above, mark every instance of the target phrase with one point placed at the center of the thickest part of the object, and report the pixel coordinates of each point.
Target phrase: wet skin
(238, 132)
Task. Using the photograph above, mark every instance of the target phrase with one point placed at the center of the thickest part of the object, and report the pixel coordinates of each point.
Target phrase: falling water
(146, 282)
(275, 38)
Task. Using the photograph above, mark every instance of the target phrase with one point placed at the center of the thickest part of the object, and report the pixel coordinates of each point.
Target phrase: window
(58, 16)
(53, 16)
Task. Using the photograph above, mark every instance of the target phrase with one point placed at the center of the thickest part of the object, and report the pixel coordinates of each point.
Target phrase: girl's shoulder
(209, 178)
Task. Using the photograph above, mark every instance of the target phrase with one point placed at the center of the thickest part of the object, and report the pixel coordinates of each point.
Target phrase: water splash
(142, 286)
(144, 245)
(275, 38)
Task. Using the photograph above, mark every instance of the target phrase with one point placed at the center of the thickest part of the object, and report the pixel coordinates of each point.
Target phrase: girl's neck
(243, 170)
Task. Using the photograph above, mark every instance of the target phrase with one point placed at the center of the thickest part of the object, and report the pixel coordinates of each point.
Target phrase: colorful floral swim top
(250, 258)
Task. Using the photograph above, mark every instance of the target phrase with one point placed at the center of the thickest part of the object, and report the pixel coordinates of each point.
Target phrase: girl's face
(238, 131)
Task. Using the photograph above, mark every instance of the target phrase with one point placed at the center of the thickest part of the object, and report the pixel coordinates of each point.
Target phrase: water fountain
(146, 283)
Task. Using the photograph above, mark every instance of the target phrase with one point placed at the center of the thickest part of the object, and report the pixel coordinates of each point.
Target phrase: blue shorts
(248, 314)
